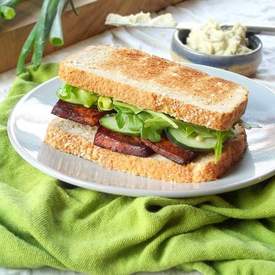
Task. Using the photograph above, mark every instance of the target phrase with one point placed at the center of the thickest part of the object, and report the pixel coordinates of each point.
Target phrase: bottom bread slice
(77, 139)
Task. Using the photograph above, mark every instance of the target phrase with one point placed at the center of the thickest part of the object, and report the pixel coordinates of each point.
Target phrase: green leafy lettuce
(145, 123)
(75, 95)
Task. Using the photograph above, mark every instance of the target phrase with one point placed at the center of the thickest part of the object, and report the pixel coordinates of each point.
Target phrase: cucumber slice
(180, 138)
(109, 122)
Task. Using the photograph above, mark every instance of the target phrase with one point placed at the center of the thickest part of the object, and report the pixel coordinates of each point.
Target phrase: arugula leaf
(125, 108)
(164, 117)
(189, 131)
(129, 121)
(156, 123)
(144, 115)
(109, 121)
(221, 138)
(198, 130)
(134, 123)
(151, 134)
(120, 119)
(218, 146)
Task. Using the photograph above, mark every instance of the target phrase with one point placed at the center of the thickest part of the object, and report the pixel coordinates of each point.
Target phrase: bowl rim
(194, 52)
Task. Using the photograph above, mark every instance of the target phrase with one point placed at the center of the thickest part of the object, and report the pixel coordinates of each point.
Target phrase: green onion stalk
(48, 27)
(47, 15)
(56, 33)
(7, 9)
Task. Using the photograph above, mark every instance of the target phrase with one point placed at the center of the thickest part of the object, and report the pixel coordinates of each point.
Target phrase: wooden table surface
(90, 21)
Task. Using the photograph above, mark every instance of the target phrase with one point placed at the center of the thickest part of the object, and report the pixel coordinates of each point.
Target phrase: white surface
(27, 133)
(197, 11)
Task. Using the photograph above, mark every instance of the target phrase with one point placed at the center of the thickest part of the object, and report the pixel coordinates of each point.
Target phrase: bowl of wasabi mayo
(232, 49)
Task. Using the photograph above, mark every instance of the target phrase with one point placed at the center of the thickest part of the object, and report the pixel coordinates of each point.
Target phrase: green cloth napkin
(44, 223)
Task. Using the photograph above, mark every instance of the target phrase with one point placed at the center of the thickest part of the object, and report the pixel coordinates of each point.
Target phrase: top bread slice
(154, 83)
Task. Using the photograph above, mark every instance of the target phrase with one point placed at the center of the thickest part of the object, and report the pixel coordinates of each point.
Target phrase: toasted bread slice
(77, 139)
(157, 84)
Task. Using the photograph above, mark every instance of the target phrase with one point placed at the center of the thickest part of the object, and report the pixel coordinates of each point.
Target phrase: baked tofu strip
(77, 113)
(171, 151)
(120, 143)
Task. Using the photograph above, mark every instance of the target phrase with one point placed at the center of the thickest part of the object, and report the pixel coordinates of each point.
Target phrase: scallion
(7, 9)
(48, 12)
(7, 12)
(56, 33)
(48, 26)
(26, 49)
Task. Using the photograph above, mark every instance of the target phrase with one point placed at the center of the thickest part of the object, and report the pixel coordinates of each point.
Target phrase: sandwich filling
(131, 130)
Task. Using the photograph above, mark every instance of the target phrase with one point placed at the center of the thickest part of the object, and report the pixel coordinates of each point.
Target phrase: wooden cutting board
(90, 21)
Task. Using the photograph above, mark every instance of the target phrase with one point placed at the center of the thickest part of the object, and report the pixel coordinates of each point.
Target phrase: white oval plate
(28, 123)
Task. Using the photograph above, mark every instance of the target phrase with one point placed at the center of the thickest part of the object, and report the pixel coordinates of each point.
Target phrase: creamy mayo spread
(141, 18)
(212, 39)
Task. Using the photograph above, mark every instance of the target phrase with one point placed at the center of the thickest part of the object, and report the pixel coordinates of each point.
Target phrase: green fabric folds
(44, 222)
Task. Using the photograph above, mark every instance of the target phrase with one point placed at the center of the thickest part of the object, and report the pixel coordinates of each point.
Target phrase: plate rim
(118, 190)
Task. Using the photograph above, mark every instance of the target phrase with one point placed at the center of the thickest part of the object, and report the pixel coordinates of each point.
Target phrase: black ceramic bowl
(245, 64)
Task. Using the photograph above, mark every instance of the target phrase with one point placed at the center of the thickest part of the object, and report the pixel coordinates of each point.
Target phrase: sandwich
(141, 114)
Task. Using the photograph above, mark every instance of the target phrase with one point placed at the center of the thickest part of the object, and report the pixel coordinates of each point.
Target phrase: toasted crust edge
(201, 170)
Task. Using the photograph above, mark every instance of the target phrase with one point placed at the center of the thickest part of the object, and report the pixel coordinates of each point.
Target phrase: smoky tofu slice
(120, 143)
(77, 113)
(171, 151)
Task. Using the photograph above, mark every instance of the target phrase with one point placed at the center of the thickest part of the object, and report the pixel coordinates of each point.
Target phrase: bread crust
(151, 70)
(201, 169)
